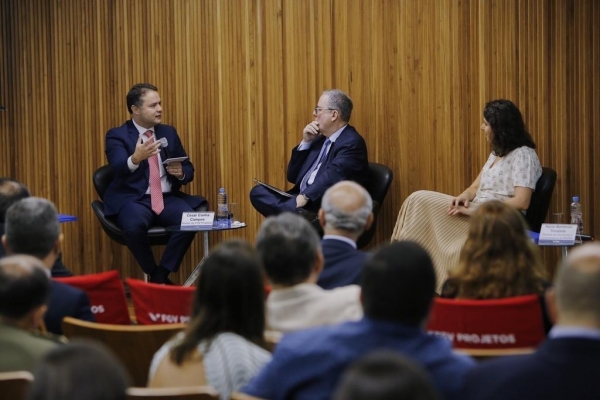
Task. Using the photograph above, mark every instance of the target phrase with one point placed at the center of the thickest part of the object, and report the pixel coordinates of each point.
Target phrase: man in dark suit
(346, 212)
(12, 191)
(330, 151)
(32, 229)
(144, 191)
(566, 365)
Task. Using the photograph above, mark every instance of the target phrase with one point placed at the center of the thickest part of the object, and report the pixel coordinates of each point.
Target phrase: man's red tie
(156, 195)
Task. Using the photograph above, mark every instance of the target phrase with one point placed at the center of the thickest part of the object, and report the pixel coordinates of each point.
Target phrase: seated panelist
(331, 151)
(144, 191)
(439, 222)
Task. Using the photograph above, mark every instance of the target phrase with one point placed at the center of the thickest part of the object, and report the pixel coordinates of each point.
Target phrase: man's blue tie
(322, 154)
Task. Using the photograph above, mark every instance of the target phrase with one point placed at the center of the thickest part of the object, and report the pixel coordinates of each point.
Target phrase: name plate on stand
(197, 220)
(558, 235)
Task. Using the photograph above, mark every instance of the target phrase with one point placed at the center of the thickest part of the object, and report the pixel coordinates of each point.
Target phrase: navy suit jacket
(561, 368)
(130, 186)
(66, 301)
(343, 264)
(347, 160)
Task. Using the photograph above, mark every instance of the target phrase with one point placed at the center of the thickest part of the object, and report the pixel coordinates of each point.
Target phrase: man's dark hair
(398, 284)
(134, 96)
(24, 285)
(31, 227)
(288, 246)
(385, 375)
(11, 191)
(507, 125)
(82, 369)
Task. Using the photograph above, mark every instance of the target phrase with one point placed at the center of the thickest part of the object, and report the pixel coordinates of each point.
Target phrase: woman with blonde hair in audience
(439, 222)
(498, 259)
(223, 343)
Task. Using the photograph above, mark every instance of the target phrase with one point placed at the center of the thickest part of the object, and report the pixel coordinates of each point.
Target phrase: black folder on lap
(274, 189)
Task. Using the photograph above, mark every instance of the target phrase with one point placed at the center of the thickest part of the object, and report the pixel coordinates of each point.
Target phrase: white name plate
(557, 235)
(191, 220)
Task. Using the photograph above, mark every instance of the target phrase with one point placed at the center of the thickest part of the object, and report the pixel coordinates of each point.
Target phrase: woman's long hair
(508, 128)
(498, 259)
(229, 298)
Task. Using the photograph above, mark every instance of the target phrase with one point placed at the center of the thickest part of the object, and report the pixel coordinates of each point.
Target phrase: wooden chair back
(133, 345)
(14, 385)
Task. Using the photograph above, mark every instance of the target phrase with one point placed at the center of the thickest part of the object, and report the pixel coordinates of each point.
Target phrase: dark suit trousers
(270, 203)
(135, 218)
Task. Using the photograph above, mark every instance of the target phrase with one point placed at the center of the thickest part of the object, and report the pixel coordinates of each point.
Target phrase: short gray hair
(577, 283)
(340, 101)
(352, 221)
(32, 227)
(288, 246)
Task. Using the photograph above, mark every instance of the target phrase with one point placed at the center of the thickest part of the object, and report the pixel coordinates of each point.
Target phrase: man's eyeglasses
(319, 110)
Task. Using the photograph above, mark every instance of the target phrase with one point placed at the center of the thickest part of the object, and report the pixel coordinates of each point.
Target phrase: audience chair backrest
(160, 304)
(133, 345)
(179, 393)
(14, 385)
(107, 296)
(510, 323)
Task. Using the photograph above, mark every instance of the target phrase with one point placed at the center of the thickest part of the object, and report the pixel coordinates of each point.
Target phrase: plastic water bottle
(576, 216)
(223, 220)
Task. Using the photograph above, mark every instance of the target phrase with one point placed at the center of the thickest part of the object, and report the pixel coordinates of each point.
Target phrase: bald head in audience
(346, 210)
(575, 300)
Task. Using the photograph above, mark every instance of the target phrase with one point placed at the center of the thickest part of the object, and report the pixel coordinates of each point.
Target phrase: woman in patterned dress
(439, 222)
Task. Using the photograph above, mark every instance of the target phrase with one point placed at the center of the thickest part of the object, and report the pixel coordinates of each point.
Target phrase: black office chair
(158, 235)
(540, 199)
(380, 179)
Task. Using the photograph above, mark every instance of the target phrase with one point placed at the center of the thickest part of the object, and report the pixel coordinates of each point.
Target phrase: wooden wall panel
(239, 80)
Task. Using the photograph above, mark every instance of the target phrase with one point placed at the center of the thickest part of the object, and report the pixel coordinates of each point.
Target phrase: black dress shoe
(160, 280)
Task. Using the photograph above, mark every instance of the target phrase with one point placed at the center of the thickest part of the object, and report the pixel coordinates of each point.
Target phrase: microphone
(164, 143)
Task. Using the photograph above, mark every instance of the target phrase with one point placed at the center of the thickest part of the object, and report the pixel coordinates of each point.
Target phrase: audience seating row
(152, 304)
(14, 386)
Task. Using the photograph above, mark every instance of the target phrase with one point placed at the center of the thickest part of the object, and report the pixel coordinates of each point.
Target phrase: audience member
(346, 212)
(290, 250)
(32, 228)
(24, 292)
(221, 346)
(439, 222)
(566, 365)
(498, 259)
(382, 375)
(398, 286)
(12, 191)
(80, 370)
(331, 151)
(145, 192)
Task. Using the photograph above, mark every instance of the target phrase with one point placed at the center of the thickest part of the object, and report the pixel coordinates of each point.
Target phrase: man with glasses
(331, 151)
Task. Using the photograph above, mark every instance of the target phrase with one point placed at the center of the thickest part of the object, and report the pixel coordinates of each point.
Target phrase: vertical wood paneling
(239, 79)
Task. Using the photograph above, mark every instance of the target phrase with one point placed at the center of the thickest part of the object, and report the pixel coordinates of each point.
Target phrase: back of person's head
(229, 298)
(508, 127)
(135, 94)
(498, 258)
(11, 191)
(398, 284)
(80, 370)
(384, 375)
(24, 286)
(348, 207)
(31, 227)
(289, 247)
(577, 287)
(340, 101)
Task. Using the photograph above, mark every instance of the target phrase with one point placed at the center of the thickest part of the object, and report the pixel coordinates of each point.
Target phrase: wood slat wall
(239, 79)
